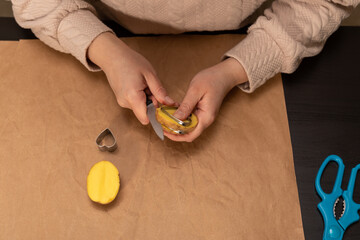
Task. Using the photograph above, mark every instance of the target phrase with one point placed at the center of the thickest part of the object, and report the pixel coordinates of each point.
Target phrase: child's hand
(206, 92)
(129, 75)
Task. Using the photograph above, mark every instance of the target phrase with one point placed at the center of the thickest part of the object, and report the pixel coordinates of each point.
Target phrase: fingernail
(168, 100)
(179, 114)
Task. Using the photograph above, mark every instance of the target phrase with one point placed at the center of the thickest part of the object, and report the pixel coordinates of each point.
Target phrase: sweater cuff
(77, 31)
(260, 56)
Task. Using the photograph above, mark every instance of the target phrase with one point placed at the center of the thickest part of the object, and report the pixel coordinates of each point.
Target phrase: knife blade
(152, 117)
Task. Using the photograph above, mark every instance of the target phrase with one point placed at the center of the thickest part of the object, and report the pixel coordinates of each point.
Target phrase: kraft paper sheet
(237, 181)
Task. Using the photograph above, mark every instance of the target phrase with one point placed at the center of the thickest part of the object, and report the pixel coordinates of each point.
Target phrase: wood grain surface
(323, 104)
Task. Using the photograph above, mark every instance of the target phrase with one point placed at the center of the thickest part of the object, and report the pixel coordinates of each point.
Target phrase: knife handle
(148, 100)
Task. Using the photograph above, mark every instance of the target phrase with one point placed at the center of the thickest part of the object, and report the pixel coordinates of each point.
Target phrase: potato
(170, 125)
(103, 182)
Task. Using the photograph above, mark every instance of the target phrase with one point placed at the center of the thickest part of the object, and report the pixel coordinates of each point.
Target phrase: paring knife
(152, 117)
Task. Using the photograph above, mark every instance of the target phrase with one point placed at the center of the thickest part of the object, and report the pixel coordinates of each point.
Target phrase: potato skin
(168, 123)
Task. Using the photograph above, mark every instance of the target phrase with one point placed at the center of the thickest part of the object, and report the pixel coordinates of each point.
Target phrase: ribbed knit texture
(277, 42)
(247, 52)
(78, 37)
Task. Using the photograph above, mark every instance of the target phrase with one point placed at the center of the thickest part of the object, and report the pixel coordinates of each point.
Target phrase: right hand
(205, 95)
(130, 75)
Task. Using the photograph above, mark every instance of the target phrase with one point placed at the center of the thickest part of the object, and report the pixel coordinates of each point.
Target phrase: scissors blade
(351, 213)
(154, 123)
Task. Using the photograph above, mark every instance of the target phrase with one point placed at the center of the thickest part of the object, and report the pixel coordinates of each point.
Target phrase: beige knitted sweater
(287, 32)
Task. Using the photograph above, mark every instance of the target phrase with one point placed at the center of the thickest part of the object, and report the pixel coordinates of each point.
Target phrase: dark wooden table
(323, 105)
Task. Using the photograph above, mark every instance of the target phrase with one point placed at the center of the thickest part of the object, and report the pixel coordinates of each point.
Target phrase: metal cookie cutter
(101, 143)
(184, 123)
(173, 130)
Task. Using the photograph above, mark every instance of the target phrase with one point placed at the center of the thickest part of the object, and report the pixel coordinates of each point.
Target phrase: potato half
(103, 182)
(172, 126)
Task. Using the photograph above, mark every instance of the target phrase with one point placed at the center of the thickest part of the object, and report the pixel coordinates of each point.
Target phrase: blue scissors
(335, 229)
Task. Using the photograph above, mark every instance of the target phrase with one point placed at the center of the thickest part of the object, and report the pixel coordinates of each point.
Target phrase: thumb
(188, 104)
(158, 90)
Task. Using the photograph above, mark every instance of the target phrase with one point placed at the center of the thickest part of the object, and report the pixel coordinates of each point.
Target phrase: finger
(137, 102)
(189, 102)
(151, 97)
(123, 103)
(186, 137)
(205, 120)
(158, 90)
(155, 102)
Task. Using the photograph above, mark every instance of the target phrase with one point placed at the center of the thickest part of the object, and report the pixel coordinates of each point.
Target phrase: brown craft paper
(236, 181)
(7, 52)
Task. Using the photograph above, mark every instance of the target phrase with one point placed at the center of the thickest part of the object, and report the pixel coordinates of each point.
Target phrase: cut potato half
(103, 182)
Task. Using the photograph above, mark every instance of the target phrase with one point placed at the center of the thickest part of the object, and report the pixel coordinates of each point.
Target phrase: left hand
(206, 92)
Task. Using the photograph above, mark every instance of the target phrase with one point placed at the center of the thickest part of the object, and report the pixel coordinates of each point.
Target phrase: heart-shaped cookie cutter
(101, 144)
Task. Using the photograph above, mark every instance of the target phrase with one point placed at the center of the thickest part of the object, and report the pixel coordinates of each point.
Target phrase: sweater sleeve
(288, 32)
(68, 26)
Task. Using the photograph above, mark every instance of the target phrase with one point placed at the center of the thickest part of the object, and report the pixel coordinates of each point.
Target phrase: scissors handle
(336, 191)
(351, 210)
(332, 229)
